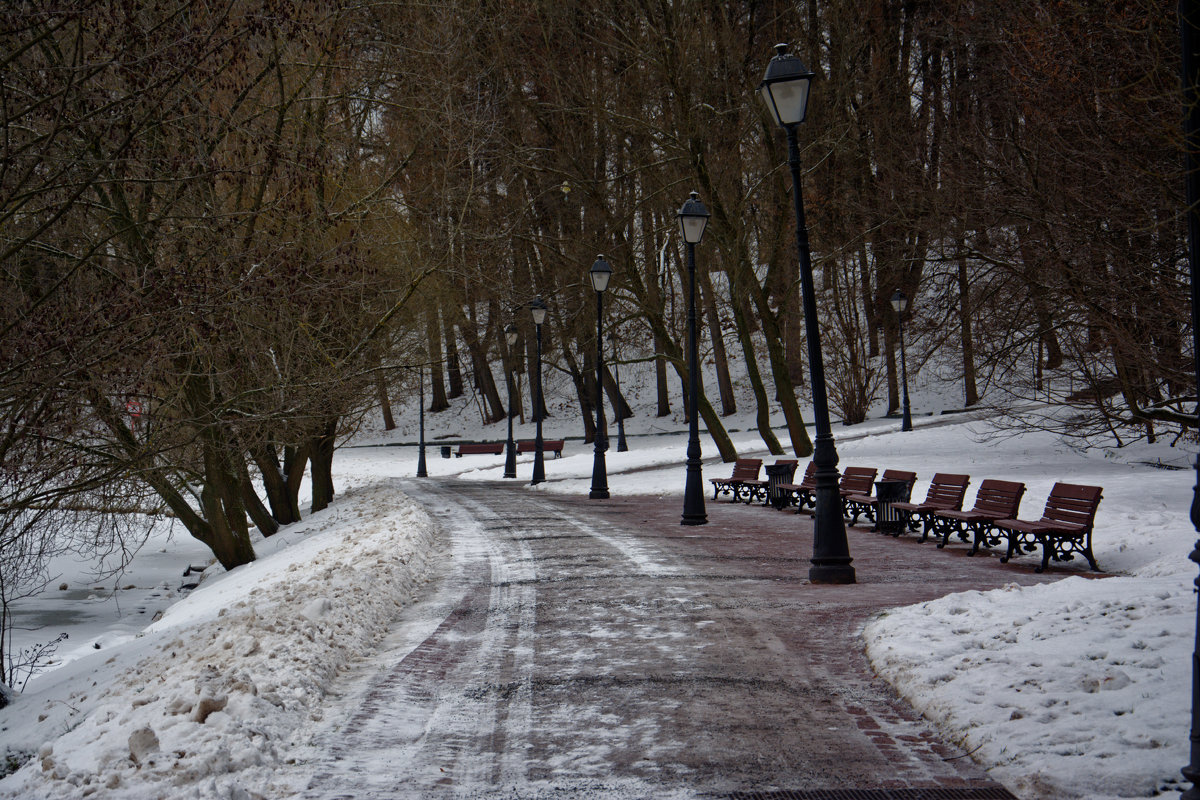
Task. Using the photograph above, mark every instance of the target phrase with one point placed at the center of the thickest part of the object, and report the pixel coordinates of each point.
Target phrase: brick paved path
(584, 648)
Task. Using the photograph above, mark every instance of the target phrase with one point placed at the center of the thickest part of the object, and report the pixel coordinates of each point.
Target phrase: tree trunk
(717, 430)
(890, 343)
(762, 415)
(583, 378)
(874, 323)
(453, 370)
(485, 382)
(785, 391)
(295, 459)
(970, 391)
(721, 361)
(274, 483)
(263, 520)
(221, 499)
(1047, 335)
(621, 409)
(389, 423)
(538, 410)
(660, 380)
(654, 274)
(321, 458)
(437, 376)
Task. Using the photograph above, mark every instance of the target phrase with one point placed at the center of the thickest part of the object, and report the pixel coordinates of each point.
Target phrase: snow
(1077, 688)
(215, 687)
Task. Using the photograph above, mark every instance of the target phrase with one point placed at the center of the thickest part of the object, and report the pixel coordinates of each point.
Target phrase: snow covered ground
(1074, 689)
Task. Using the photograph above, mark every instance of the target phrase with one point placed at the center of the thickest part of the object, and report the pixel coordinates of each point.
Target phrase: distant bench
(479, 449)
(548, 446)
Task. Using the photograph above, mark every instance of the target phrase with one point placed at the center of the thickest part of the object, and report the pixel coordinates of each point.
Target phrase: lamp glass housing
(510, 335)
(693, 218)
(538, 309)
(600, 274)
(900, 302)
(785, 87)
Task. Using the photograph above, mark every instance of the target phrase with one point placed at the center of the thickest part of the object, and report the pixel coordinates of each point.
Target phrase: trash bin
(778, 474)
(445, 451)
(887, 519)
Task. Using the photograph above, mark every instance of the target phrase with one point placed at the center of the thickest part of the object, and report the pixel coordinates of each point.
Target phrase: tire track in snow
(434, 715)
(452, 710)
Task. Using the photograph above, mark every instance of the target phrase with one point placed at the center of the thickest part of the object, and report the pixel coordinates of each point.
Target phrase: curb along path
(600, 649)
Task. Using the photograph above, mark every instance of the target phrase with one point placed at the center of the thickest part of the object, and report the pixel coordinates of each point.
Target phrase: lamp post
(621, 445)
(600, 273)
(538, 309)
(784, 89)
(421, 471)
(1189, 28)
(900, 304)
(693, 217)
(510, 450)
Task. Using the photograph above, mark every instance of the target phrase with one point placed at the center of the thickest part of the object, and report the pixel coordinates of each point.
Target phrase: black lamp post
(510, 450)
(900, 304)
(600, 273)
(693, 217)
(621, 445)
(421, 471)
(538, 309)
(784, 89)
(1189, 27)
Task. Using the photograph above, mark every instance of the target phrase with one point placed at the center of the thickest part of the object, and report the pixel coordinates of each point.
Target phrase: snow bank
(1019, 678)
(224, 678)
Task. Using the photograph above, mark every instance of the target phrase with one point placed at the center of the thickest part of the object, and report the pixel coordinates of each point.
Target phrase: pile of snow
(1070, 689)
(1078, 688)
(219, 683)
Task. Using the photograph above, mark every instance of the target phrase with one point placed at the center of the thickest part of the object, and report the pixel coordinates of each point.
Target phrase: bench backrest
(858, 480)
(809, 481)
(746, 469)
(481, 448)
(1073, 504)
(530, 445)
(948, 490)
(1000, 499)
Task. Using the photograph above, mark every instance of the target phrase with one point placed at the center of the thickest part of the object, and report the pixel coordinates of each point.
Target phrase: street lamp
(510, 451)
(621, 445)
(784, 89)
(600, 273)
(693, 217)
(900, 304)
(421, 471)
(538, 309)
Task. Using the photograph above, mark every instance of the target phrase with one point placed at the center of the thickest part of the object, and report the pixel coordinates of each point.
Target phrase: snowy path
(602, 650)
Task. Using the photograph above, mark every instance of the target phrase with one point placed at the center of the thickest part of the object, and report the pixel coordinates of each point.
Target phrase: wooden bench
(744, 469)
(995, 500)
(946, 493)
(855, 481)
(802, 494)
(865, 504)
(759, 489)
(548, 446)
(479, 449)
(1064, 529)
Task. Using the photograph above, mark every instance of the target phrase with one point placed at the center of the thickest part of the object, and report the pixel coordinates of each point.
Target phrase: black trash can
(778, 474)
(445, 451)
(888, 519)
